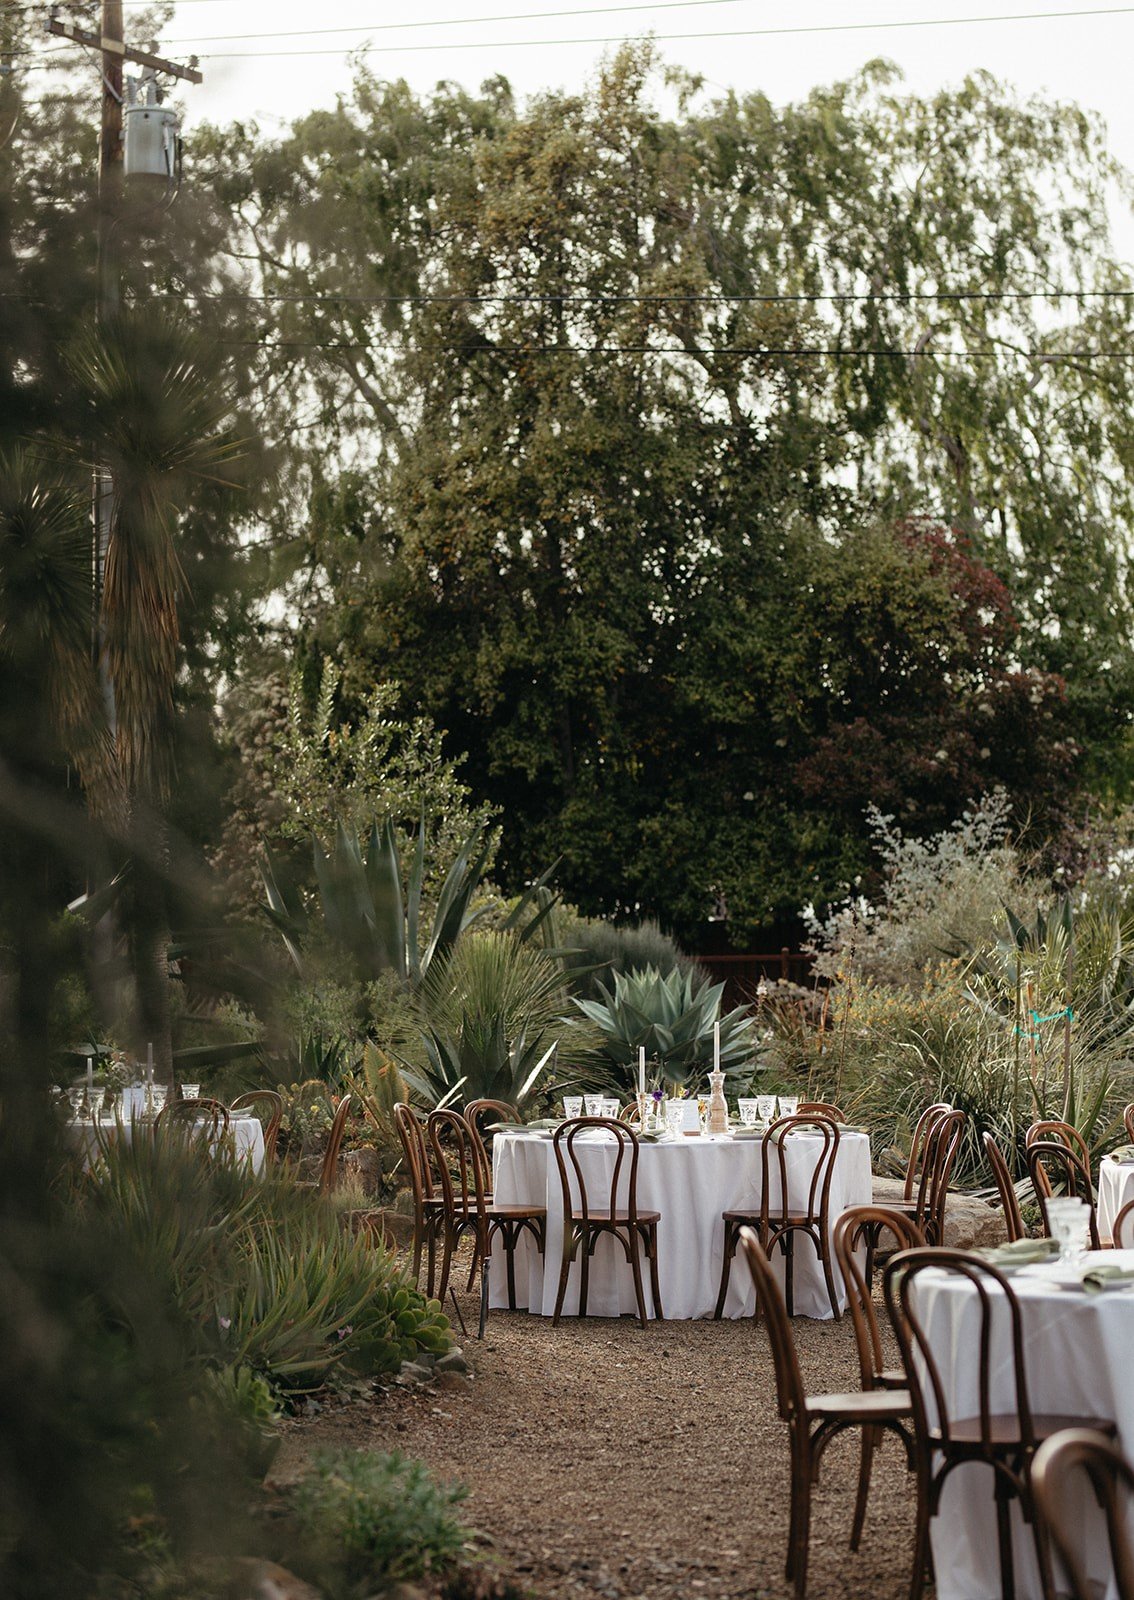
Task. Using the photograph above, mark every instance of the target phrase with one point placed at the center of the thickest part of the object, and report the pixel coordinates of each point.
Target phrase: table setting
(1077, 1313)
(1116, 1187)
(691, 1175)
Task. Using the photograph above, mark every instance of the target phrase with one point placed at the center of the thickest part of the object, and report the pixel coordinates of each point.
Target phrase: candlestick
(716, 1047)
(149, 1063)
(90, 1078)
(641, 1069)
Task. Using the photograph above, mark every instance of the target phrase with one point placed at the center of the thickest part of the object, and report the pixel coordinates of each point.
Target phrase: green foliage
(672, 1017)
(368, 1521)
(592, 949)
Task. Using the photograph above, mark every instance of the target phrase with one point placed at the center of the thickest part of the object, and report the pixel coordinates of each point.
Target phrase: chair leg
(418, 1243)
(824, 1248)
(726, 1268)
(655, 1286)
(510, 1238)
(867, 1445)
(431, 1243)
(564, 1272)
(486, 1263)
(1004, 1538)
(788, 1243)
(799, 1531)
(450, 1244)
(636, 1269)
(586, 1245)
(921, 1539)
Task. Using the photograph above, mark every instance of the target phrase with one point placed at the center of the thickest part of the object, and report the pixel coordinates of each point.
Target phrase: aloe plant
(672, 1018)
(366, 915)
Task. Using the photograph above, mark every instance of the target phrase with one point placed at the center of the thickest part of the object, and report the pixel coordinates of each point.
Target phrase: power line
(723, 33)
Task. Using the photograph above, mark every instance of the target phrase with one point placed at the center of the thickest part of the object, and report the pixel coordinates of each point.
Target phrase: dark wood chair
(616, 1213)
(1128, 1122)
(467, 1207)
(1055, 1132)
(820, 1108)
(269, 1107)
(1054, 1167)
(206, 1118)
(1005, 1188)
(475, 1112)
(813, 1420)
(851, 1229)
(1059, 1460)
(1119, 1238)
(915, 1162)
(1004, 1441)
(780, 1222)
(329, 1171)
(428, 1208)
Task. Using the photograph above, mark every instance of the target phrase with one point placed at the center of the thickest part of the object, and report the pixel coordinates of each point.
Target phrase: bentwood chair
(820, 1108)
(813, 1420)
(467, 1208)
(269, 1107)
(428, 1209)
(1128, 1122)
(475, 1111)
(206, 1118)
(615, 1213)
(778, 1221)
(1123, 1237)
(1055, 1132)
(329, 1171)
(1059, 1460)
(1054, 1167)
(1003, 1440)
(851, 1228)
(1005, 1188)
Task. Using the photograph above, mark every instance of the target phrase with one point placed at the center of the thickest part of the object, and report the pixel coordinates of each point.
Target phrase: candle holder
(718, 1107)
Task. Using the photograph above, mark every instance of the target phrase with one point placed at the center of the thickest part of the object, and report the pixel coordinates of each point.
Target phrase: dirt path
(604, 1460)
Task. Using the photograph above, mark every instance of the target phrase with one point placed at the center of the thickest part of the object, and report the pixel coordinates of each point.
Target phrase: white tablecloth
(245, 1134)
(690, 1181)
(1078, 1349)
(1116, 1187)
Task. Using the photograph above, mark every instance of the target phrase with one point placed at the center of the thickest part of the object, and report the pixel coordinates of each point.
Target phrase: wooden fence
(741, 973)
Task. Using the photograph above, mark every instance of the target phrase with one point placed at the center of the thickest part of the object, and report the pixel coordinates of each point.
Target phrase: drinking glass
(704, 1107)
(593, 1104)
(675, 1117)
(572, 1106)
(749, 1112)
(611, 1108)
(1070, 1222)
(766, 1106)
(789, 1105)
(75, 1096)
(190, 1091)
(645, 1107)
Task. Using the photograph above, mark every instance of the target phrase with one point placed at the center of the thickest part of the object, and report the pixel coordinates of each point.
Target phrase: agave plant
(672, 1018)
(366, 915)
(490, 1020)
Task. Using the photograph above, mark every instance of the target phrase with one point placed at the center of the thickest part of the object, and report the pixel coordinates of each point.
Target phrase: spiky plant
(672, 1017)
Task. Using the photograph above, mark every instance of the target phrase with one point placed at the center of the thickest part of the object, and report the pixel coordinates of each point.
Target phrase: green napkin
(1124, 1154)
(1021, 1253)
(1096, 1279)
(541, 1125)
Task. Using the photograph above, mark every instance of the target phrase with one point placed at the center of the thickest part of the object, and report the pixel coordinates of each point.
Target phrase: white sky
(1086, 59)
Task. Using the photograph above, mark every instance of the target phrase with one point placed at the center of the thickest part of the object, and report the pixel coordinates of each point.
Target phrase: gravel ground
(604, 1460)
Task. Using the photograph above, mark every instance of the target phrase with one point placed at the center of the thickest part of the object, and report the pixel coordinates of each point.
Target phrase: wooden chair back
(499, 1111)
(852, 1227)
(917, 1146)
(1005, 1188)
(622, 1196)
(1055, 1132)
(993, 1297)
(1128, 1122)
(773, 1157)
(790, 1393)
(1123, 1237)
(939, 1153)
(1058, 1461)
(330, 1168)
(1053, 1166)
(412, 1136)
(820, 1108)
(456, 1165)
(209, 1118)
(269, 1107)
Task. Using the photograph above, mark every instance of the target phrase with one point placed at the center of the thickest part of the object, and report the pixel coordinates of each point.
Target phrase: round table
(1077, 1349)
(1116, 1187)
(691, 1182)
(245, 1136)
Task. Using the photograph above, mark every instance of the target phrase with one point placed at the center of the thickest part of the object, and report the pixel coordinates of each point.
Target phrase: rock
(253, 1579)
(453, 1362)
(364, 1164)
(416, 1372)
(395, 1229)
(970, 1224)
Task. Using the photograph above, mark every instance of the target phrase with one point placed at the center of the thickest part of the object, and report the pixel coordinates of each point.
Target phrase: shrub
(367, 1521)
(593, 950)
(672, 1018)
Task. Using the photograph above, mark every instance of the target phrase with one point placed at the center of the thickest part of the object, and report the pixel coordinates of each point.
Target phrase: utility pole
(114, 53)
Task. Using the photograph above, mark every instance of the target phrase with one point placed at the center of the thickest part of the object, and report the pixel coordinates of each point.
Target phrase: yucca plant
(672, 1017)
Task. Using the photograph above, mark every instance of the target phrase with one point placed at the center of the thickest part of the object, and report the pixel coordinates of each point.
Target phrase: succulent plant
(672, 1016)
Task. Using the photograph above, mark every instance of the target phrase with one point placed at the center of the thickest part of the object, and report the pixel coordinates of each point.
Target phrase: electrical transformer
(151, 143)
